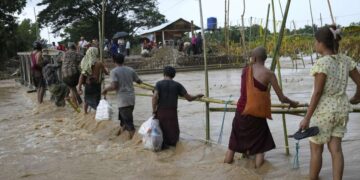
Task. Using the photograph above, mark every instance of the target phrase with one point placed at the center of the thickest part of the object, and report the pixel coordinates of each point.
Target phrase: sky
(345, 12)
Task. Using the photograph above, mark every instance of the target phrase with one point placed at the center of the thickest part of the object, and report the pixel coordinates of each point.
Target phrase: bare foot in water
(131, 134)
(229, 157)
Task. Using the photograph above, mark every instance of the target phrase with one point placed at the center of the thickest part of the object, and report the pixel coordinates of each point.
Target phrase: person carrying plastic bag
(103, 111)
(152, 134)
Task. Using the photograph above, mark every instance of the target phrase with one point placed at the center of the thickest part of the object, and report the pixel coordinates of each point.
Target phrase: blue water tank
(211, 23)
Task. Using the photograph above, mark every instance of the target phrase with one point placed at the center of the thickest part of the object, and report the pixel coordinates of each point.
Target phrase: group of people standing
(120, 46)
(250, 135)
(197, 43)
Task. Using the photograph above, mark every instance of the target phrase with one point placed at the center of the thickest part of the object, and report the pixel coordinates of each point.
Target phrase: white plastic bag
(152, 134)
(103, 111)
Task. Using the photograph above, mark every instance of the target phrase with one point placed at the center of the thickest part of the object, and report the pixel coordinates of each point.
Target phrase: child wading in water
(329, 106)
(250, 132)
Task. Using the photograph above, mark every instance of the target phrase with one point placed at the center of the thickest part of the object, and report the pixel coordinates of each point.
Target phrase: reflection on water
(48, 142)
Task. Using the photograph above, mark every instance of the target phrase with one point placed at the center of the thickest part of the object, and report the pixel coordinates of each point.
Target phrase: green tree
(25, 35)
(80, 17)
(8, 8)
(306, 30)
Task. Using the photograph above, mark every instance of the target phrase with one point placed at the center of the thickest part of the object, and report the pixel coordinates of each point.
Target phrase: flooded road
(47, 142)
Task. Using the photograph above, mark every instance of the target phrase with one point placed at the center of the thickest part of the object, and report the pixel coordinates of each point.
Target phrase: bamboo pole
(313, 28)
(321, 24)
(278, 110)
(213, 100)
(228, 27)
(243, 29)
(225, 25)
(281, 34)
(292, 60)
(281, 10)
(37, 28)
(250, 25)
(277, 60)
(266, 25)
(311, 57)
(274, 62)
(207, 113)
(102, 31)
(331, 14)
(274, 20)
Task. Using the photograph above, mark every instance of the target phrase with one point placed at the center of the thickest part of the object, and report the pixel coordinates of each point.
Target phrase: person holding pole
(329, 106)
(250, 132)
(122, 78)
(92, 71)
(164, 105)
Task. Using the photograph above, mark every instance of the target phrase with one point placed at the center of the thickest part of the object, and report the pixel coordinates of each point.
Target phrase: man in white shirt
(127, 48)
(82, 46)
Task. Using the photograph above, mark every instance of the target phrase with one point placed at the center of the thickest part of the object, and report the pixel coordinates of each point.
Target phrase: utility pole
(36, 26)
(321, 20)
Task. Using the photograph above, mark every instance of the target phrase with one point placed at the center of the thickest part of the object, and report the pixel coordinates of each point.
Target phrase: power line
(171, 7)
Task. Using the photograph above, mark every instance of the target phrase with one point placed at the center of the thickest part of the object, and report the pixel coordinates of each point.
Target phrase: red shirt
(60, 47)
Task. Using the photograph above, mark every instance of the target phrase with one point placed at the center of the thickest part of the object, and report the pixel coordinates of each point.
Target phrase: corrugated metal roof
(163, 26)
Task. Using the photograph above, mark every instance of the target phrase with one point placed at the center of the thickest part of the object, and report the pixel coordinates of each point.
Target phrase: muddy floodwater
(48, 142)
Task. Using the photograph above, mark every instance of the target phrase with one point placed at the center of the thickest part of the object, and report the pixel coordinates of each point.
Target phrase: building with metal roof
(169, 32)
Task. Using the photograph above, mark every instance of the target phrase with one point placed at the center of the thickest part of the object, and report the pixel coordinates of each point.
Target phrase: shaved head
(259, 53)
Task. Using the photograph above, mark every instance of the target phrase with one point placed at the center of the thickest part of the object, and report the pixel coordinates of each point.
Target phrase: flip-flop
(301, 134)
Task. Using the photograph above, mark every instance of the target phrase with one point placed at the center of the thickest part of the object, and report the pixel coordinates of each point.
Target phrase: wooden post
(163, 38)
(101, 30)
(313, 28)
(243, 28)
(225, 25)
(273, 64)
(321, 24)
(266, 25)
(207, 113)
(36, 27)
(228, 27)
(100, 33)
(250, 24)
(192, 28)
(331, 14)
